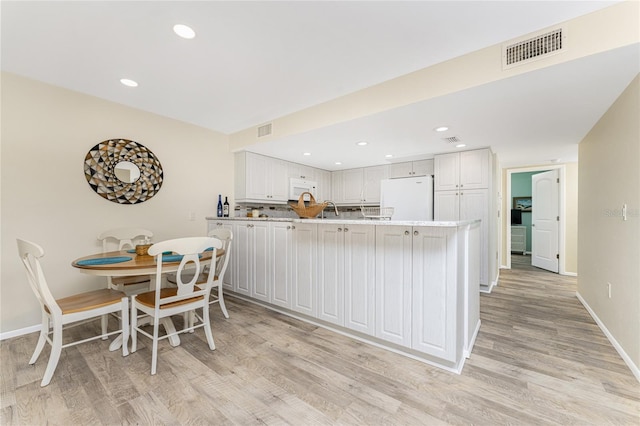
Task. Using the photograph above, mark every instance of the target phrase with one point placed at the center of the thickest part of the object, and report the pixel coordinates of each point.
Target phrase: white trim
(634, 368)
(20, 332)
(469, 348)
(561, 207)
(570, 274)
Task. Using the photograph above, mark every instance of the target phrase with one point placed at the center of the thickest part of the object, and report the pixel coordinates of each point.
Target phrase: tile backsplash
(284, 211)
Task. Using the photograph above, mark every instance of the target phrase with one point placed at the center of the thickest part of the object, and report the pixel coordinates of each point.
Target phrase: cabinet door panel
(393, 284)
(260, 255)
(371, 186)
(400, 170)
(257, 184)
(352, 185)
(279, 174)
(474, 169)
(280, 251)
(434, 293)
(359, 278)
(423, 168)
(242, 254)
(304, 264)
(446, 205)
(331, 273)
(447, 171)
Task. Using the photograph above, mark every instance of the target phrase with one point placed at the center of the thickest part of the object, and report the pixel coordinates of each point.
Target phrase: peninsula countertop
(376, 222)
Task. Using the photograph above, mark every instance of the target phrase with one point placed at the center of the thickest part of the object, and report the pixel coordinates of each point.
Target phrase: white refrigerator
(411, 198)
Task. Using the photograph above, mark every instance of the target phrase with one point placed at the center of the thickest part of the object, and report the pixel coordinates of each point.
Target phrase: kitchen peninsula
(410, 287)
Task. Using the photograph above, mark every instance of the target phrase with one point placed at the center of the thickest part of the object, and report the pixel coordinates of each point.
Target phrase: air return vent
(533, 48)
(264, 130)
(452, 139)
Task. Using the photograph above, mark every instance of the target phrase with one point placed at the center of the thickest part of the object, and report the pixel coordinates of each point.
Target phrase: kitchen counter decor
(311, 210)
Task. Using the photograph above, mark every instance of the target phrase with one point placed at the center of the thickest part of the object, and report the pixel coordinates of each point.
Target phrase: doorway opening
(519, 191)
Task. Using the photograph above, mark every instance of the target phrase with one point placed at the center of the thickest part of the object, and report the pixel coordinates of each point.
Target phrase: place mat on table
(134, 250)
(103, 260)
(174, 257)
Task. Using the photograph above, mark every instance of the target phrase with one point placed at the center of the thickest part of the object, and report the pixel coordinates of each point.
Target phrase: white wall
(46, 133)
(608, 246)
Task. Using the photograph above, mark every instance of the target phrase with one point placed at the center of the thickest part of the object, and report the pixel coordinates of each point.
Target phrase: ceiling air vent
(452, 139)
(533, 48)
(264, 130)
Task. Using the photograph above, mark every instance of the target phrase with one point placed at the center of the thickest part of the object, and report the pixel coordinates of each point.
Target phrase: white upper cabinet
(260, 178)
(323, 190)
(466, 170)
(411, 169)
(299, 171)
(358, 186)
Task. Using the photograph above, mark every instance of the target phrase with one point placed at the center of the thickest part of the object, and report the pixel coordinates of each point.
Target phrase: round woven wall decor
(99, 167)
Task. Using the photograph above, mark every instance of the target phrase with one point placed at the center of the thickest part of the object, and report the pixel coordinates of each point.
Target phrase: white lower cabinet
(251, 266)
(434, 298)
(346, 270)
(416, 289)
(281, 252)
(393, 284)
(304, 269)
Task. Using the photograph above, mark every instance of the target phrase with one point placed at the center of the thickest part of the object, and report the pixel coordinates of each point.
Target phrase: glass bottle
(225, 208)
(219, 205)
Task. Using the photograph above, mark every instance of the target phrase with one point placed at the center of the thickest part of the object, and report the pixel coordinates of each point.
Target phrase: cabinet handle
(293, 227)
(339, 229)
(461, 185)
(346, 229)
(406, 232)
(415, 233)
(288, 227)
(456, 185)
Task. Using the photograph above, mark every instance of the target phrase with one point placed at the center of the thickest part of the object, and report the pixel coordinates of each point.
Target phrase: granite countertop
(363, 221)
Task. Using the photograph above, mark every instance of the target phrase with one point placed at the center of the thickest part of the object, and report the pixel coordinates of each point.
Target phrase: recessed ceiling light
(128, 82)
(441, 129)
(461, 145)
(184, 31)
(388, 156)
(307, 154)
(337, 163)
(361, 143)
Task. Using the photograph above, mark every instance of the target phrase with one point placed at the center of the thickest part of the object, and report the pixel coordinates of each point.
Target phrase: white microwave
(298, 186)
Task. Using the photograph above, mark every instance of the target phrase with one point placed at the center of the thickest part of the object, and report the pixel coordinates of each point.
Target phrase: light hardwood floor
(539, 359)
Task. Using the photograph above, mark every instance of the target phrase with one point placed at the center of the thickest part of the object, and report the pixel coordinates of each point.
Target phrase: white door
(545, 220)
(359, 277)
(280, 250)
(330, 267)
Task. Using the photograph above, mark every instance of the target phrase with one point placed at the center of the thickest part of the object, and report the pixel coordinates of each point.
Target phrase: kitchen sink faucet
(335, 208)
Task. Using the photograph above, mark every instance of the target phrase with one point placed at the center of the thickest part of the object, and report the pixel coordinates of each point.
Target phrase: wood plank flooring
(539, 359)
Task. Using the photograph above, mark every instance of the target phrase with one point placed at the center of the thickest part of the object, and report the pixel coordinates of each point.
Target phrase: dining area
(146, 285)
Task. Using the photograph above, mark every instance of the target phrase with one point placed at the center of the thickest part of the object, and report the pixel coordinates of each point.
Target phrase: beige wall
(609, 247)
(569, 257)
(46, 133)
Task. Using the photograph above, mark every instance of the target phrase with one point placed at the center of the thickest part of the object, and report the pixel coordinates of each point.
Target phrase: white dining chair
(125, 239)
(68, 311)
(217, 293)
(185, 298)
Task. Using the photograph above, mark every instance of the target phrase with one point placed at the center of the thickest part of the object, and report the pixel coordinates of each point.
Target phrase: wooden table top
(137, 265)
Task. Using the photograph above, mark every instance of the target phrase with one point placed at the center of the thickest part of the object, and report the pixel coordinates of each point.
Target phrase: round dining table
(125, 263)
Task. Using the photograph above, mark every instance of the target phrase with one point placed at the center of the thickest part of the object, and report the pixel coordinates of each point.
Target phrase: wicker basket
(311, 210)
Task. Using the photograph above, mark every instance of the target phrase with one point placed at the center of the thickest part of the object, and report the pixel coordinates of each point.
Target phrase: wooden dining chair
(125, 239)
(186, 297)
(217, 294)
(68, 311)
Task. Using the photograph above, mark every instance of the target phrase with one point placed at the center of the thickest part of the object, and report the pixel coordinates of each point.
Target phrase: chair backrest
(123, 238)
(30, 254)
(190, 248)
(226, 236)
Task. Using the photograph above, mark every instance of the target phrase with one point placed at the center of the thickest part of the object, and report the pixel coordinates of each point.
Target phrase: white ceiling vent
(451, 139)
(533, 48)
(264, 130)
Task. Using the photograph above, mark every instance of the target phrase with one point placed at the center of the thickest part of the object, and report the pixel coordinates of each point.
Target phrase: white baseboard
(20, 332)
(570, 274)
(634, 368)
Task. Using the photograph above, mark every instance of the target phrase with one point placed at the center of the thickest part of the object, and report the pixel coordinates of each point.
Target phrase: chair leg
(124, 326)
(104, 322)
(41, 340)
(207, 327)
(56, 348)
(221, 302)
(134, 323)
(154, 351)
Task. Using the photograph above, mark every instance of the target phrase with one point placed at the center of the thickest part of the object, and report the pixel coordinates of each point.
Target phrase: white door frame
(562, 209)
